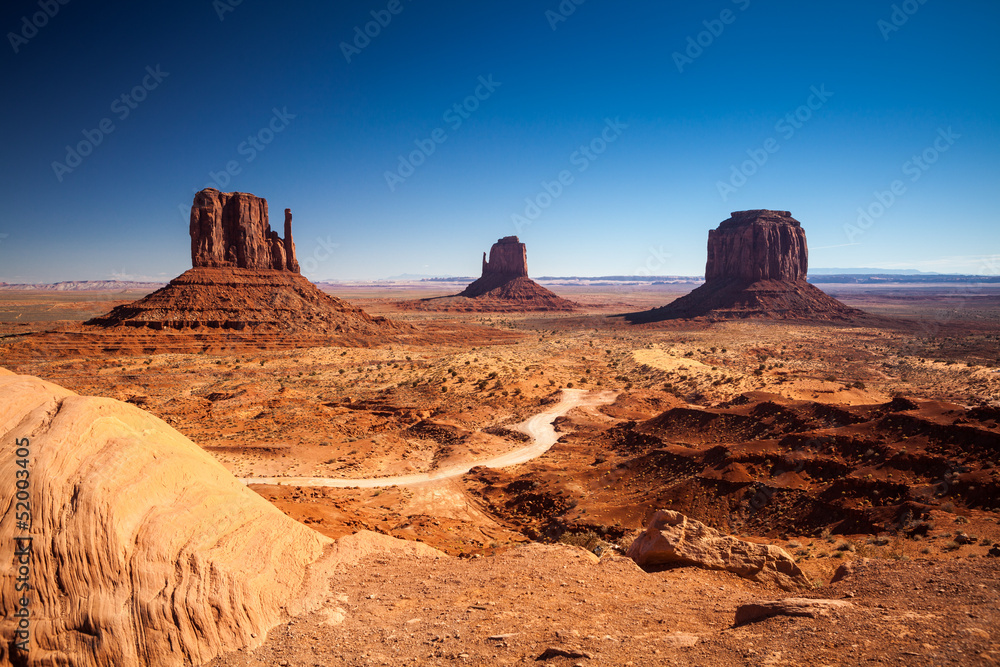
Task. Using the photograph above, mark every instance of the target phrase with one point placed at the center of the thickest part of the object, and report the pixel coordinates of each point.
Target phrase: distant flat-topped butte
(504, 286)
(756, 268)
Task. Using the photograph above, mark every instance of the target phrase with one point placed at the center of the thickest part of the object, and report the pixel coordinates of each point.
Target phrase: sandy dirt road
(540, 428)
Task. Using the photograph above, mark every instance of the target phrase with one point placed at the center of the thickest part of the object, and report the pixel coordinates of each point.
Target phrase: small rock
(748, 613)
(563, 652)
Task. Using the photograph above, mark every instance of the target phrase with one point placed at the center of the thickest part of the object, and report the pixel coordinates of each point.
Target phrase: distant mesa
(508, 262)
(244, 278)
(503, 287)
(757, 266)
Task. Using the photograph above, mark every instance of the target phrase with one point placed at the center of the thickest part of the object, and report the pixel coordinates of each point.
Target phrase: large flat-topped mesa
(231, 229)
(757, 265)
(757, 245)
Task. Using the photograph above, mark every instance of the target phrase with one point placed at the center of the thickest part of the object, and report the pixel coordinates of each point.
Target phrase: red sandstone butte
(508, 261)
(757, 245)
(504, 287)
(244, 277)
(231, 229)
(757, 266)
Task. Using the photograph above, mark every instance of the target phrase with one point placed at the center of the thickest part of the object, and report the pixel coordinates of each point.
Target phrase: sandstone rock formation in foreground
(144, 549)
(673, 539)
(503, 287)
(244, 277)
(757, 265)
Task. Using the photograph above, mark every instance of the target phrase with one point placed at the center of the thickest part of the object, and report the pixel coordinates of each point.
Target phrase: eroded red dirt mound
(766, 467)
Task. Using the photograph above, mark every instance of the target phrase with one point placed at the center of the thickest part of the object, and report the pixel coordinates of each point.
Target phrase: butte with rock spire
(244, 277)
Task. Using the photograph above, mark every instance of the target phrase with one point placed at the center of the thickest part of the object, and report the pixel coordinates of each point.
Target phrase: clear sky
(660, 116)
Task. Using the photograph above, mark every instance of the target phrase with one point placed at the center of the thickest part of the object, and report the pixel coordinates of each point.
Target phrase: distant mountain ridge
(886, 272)
(84, 286)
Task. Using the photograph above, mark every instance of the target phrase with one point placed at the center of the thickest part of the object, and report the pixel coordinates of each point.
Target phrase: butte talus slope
(757, 265)
(244, 277)
(503, 287)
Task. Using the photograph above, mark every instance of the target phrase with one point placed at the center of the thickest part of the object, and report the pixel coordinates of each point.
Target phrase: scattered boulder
(672, 539)
(563, 652)
(758, 611)
(849, 569)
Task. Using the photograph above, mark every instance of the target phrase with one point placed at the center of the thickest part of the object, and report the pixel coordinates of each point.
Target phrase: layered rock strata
(231, 229)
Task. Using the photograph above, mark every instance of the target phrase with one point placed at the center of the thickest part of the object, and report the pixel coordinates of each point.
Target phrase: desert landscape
(499, 333)
(788, 477)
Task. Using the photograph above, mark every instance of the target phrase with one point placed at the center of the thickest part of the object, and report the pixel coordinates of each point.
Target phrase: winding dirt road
(540, 428)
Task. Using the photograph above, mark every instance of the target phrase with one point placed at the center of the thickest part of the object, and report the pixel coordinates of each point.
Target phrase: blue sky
(660, 117)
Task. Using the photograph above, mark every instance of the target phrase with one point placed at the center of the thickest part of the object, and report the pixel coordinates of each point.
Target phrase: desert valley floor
(868, 452)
